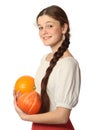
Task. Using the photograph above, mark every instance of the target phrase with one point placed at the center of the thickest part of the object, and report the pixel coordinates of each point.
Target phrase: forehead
(46, 19)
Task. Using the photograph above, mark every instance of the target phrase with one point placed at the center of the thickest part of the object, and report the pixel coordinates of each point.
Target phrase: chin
(47, 44)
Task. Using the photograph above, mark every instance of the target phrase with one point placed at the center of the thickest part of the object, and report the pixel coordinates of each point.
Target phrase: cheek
(57, 34)
(54, 32)
(57, 31)
(40, 35)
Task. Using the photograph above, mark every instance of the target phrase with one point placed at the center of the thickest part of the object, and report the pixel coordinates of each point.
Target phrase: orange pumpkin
(29, 103)
(24, 84)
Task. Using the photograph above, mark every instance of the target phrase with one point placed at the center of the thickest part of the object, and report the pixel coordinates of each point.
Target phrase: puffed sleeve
(67, 85)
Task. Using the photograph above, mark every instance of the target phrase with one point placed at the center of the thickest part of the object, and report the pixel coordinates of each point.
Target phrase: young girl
(58, 76)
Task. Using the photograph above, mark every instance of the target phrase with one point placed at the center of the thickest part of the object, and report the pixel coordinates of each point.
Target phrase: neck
(55, 47)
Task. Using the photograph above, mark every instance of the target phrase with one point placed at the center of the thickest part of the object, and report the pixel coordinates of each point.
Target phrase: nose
(44, 31)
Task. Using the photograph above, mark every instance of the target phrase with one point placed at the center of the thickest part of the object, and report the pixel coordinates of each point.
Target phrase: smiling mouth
(46, 37)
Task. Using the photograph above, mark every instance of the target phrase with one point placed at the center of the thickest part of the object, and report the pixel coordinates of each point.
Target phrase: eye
(49, 26)
(40, 27)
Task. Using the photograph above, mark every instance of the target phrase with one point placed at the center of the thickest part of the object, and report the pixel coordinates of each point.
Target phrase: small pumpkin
(29, 103)
(24, 84)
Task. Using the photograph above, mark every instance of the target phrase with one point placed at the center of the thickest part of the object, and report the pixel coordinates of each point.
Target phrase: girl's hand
(18, 110)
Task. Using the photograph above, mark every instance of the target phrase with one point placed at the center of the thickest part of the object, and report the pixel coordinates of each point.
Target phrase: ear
(64, 28)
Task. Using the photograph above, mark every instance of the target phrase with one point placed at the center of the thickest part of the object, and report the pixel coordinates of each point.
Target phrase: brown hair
(59, 14)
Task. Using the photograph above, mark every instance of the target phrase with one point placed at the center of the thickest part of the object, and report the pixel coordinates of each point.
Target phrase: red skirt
(67, 126)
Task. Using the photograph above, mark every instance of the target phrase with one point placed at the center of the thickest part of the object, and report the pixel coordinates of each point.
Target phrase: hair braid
(46, 101)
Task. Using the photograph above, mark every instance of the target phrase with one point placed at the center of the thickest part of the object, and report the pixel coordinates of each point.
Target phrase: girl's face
(50, 31)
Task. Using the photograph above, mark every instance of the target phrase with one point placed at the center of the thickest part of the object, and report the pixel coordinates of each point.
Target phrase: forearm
(54, 117)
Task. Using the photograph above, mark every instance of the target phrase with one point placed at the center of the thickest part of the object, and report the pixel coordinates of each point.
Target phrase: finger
(14, 92)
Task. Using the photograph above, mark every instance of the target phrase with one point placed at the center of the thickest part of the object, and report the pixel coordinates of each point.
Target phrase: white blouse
(64, 82)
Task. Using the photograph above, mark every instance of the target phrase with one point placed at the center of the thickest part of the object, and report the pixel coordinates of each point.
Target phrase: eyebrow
(46, 22)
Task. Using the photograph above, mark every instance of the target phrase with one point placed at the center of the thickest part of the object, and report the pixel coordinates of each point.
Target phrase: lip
(46, 37)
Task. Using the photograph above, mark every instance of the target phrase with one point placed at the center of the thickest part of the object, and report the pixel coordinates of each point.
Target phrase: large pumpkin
(24, 84)
(29, 103)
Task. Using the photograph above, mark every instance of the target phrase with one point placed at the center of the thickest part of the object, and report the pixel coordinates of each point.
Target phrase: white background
(21, 51)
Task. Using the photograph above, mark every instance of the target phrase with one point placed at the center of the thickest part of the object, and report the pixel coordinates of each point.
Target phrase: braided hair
(58, 14)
